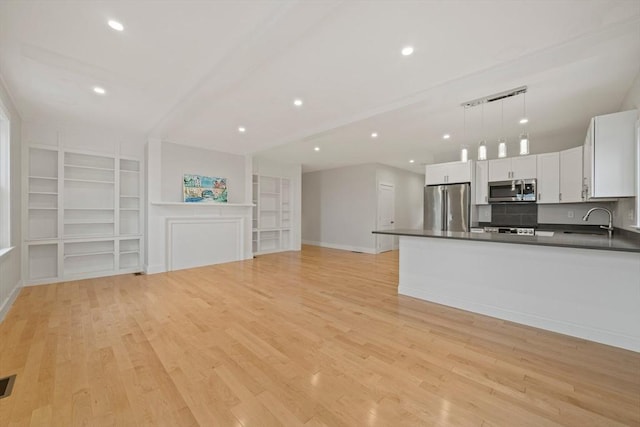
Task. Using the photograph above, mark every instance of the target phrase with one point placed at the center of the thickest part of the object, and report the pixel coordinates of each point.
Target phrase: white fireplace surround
(198, 241)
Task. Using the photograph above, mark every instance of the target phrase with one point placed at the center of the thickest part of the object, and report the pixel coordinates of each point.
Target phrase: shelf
(88, 209)
(43, 209)
(125, 196)
(129, 209)
(88, 221)
(42, 241)
(48, 193)
(269, 193)
(52, 178)
(129, 252)
(87, 167)
(128, 171)
(91, 181)
(89, 254)
(269, 238)
(88, 236)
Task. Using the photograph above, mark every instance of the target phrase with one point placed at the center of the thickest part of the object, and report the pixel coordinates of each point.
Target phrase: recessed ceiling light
(99, 90)
(242, 129)
(524, 120)
(411, 161)
(316, 148)
(115, 25)
(297, 103)
(407, 50)
(446, 136)
(374, 135)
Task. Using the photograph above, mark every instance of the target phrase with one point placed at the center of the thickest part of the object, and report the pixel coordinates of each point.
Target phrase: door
(499, 170)
(523, 167)
(548, 177)
(386, 216)
(436, 174)
(571, 175)
(457, 202)
(434, 207)
(482, 182)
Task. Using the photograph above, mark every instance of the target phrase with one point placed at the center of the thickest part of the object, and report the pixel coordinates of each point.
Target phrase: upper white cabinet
(448, 173)
(482, 182)
(608, 163)
(512, 168)
(570, 175)
(548, 175)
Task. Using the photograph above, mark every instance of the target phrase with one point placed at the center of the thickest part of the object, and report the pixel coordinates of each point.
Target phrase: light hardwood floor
(313, 338)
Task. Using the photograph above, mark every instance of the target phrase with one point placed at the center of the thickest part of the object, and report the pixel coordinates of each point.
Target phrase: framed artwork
(198, 188)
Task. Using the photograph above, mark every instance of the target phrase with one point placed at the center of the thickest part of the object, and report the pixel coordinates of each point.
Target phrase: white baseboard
(154, 269)
(6, 305)
(341, 247)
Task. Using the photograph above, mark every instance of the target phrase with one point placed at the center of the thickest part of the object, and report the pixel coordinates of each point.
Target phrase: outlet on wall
(570, 214)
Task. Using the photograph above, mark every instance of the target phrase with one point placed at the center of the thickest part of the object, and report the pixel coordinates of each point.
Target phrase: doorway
(385, 217)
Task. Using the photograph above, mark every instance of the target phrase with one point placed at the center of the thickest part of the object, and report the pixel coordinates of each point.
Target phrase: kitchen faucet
(609, 227)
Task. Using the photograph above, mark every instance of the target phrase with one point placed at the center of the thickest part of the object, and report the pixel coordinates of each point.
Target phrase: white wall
(166, 164)
(10, 263)
(268, 167)
(178, 160)
(625, 210)
(339, 208)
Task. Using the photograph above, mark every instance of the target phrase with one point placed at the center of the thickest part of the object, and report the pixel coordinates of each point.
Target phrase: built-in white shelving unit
(84, 215)
(272, 217)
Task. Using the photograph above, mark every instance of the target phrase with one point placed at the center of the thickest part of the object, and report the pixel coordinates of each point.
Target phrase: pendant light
(502, 142)
(524, 144)
(464, 150)
(464, 154)
(482, 146)
(524, 136)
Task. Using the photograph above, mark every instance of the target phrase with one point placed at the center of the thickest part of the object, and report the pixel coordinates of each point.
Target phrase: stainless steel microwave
(517, 190)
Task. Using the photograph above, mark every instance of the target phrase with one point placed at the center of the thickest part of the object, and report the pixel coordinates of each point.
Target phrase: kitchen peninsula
(583, 286)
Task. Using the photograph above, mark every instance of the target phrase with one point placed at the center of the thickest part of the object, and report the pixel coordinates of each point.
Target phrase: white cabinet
(482, 182)
(83, 215)
(608, 164)
(512, 168)
(570, 175)
(548, 178)
(448, 173)
(272, 214)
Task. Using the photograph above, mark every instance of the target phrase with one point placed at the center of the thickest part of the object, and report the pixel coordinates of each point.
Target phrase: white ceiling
(192, 72)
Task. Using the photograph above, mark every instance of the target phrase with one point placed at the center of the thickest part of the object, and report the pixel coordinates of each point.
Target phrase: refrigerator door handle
(445, 213)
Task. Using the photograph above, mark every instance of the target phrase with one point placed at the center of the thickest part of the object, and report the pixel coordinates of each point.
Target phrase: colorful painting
(198, 188)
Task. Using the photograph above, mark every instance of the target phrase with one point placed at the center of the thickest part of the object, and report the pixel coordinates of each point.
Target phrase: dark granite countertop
(621, 241)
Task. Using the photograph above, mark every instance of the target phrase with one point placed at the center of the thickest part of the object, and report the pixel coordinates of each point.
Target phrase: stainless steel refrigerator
(446, 207)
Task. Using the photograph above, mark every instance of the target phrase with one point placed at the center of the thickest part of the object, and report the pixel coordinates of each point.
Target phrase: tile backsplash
(516, 214)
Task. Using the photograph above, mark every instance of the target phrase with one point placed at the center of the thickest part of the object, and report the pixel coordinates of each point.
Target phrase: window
(5, 183)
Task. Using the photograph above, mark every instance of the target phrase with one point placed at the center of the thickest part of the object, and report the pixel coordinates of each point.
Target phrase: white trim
(340, 247)
(6, 305)
(637, 225)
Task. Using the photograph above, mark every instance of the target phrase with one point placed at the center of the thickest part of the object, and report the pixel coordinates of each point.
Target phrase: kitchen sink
(585, 233)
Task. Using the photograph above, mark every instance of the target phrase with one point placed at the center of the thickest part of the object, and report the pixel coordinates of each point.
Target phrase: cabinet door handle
(539, 196)
(486, 198)
(560, 196)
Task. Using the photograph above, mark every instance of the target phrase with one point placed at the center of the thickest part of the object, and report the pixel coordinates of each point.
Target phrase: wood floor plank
(312, 338)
